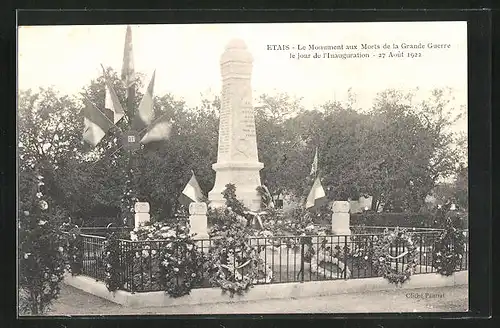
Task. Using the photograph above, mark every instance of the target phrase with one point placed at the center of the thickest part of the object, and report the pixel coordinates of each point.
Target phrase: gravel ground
(73, 301)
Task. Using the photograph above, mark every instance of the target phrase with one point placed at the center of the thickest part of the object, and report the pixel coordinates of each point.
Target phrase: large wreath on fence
(382, 258)
(448, 250)
(235, 265)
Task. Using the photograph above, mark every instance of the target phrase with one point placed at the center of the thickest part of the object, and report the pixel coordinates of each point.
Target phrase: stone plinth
(198, 220)
(341, 218)
(237, 158)
(141, 213)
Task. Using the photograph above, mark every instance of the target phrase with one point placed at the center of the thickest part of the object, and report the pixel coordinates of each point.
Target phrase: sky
(186, 58)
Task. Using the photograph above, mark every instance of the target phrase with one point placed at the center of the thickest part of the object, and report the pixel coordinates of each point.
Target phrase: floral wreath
(382, 259)
(237, 271)
(232, 275)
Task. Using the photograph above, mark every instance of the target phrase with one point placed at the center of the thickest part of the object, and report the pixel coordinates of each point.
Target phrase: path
(76, 302)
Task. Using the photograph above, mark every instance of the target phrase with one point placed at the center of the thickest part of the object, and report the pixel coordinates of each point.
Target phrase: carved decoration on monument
(242, 149)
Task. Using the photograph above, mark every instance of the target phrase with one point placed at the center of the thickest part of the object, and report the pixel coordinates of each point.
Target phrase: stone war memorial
(232, 244)
(237, 158)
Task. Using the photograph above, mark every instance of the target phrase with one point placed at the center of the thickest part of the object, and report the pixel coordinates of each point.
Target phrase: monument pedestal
(141, 213)
(341, 218)
(198, 220)
(246, 178)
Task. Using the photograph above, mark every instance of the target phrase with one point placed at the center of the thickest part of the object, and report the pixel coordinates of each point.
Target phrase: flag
(158, 130)
(316, 195)
(128, 72)
(112, 102)
(145, 113)
(96, 124)
(314, 166)
(192, 192)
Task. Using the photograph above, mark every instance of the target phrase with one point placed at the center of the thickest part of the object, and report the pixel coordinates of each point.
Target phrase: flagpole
(130, 184)
(130, 108)
(317, 164)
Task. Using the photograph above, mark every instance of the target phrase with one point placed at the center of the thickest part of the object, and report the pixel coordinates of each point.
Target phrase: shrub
(41, 258)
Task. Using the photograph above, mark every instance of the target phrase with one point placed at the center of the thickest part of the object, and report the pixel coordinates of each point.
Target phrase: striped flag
(128, 72)
(314, 166)
(112, 102)
(317, 195)
(158, 130)
(192, 192)
(145, 113)
(96, 124)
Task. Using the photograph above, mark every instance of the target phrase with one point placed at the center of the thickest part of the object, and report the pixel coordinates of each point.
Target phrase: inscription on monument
(224, 124)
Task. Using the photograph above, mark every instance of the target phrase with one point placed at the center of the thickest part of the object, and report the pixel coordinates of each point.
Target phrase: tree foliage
(397, 151)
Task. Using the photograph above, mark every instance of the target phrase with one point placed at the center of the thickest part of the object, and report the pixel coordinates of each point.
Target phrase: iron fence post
(345, 257)
(301, 259)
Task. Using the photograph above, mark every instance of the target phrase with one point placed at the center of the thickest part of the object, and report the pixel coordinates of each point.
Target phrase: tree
(81, 179)
(461, 188)
(165, 167)
(50, 139)
(413, 144)
(280, 148)
(396, 152)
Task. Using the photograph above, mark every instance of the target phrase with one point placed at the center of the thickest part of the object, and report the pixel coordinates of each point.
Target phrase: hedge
(417, 220)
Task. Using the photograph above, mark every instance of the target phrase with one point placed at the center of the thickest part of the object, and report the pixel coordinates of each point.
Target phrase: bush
(41, 252)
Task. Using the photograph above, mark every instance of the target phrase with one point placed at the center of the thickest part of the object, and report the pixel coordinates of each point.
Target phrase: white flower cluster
(156, 231)
(310, 228)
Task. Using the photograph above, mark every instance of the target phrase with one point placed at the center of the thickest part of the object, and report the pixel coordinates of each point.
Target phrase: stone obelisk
(237, 158)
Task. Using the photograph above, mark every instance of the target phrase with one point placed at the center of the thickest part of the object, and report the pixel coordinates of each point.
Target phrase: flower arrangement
(177, 257)
(41, 252)
(182, 263)
(362, 251)
(382, 259)
(448, 249)
(235, 264)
